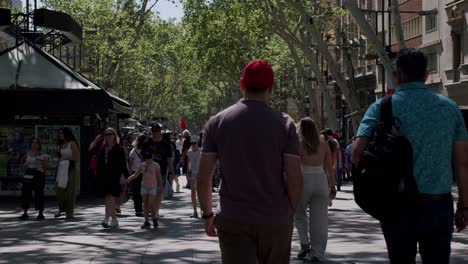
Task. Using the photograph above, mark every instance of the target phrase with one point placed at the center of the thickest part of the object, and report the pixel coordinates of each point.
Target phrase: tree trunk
(395, 9)
(307, 80)
(367, 30)
(307, 21)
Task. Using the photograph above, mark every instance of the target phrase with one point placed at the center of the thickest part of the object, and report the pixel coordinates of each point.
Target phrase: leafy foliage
(187, 68)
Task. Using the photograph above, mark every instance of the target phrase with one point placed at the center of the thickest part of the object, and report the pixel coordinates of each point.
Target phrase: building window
(412, 28)
(432, 62)
(431, 22)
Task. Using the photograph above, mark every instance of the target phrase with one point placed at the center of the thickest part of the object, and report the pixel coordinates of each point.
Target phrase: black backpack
(384, 180)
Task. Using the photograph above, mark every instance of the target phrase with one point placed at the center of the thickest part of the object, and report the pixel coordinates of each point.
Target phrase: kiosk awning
(35, 82)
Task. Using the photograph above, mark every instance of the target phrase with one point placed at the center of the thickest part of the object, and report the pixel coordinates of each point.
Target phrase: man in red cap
(258, 151)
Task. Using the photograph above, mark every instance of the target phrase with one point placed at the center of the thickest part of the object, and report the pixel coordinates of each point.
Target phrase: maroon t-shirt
(250, 140)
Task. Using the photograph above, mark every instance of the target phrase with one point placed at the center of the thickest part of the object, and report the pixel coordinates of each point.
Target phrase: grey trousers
(313, 230)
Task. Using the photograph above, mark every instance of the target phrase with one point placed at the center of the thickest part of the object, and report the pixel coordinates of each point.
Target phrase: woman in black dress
(111, 165)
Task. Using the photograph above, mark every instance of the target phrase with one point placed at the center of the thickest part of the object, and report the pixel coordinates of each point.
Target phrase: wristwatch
(207, 216)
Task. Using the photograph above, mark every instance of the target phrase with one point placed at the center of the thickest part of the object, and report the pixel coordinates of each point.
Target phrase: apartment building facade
(440, 29)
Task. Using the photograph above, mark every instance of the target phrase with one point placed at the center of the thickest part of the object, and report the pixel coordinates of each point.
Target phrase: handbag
(94, 160)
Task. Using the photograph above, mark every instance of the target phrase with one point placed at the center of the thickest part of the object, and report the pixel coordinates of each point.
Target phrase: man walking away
(258, 150)
(434, 126)
(162, 154)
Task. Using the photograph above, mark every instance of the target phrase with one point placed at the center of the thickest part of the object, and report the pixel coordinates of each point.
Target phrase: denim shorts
(149, 191)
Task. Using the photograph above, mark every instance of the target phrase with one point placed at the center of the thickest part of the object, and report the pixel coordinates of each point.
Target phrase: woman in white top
(135, 160)
(68, 153)
(34, 179)
(318, 184)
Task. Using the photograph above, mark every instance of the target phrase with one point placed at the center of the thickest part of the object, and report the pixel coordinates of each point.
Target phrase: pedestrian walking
(319, 182)
(175, 164)
(434, 126)
(347, 161)
(162, 154)
(67, 180)
(135, 159)
(185, 148)
(111, 167)
(180, 143)
(336, 156)
(258, 149)
(151, 186)
(124, 186)
(34, 179)
(168, 193)
(193, 158)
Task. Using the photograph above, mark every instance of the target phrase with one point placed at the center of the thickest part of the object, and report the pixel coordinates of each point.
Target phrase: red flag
(183, 126)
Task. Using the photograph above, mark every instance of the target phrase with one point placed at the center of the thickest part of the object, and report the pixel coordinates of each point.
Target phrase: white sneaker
(114, 223)
(105, 223)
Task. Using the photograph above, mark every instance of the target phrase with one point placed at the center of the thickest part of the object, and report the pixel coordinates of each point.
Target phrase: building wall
(453, 21)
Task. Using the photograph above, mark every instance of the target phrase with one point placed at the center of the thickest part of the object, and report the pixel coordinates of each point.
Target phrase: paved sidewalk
(353, 236)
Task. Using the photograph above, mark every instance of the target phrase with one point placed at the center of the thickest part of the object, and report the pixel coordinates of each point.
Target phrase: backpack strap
(386, 114)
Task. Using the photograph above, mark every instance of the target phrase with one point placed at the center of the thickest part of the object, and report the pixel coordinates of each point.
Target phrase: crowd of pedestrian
(274, 174)
(144, 172)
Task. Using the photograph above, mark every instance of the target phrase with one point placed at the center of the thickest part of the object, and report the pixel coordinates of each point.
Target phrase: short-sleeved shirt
(431, 123)
(179, 145)
(136, 156)
(194, 159)
(251, 140)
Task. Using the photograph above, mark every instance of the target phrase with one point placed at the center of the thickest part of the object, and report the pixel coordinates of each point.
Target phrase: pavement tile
(354, 237)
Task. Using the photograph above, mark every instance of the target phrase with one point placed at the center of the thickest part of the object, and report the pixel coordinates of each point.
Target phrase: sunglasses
(109, 134)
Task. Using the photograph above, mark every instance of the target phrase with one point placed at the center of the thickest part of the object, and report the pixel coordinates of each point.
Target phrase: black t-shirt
(161, 152)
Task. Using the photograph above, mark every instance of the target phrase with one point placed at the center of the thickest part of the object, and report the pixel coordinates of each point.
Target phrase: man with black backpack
(431, 128)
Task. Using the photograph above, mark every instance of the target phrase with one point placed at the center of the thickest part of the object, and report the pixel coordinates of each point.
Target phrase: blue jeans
(429, 224)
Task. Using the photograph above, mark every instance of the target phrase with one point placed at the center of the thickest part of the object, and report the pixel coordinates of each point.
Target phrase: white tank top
(66, 152)
(31, 161)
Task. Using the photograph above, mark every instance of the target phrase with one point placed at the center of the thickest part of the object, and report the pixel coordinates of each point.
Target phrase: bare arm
(294, 179)
(358, 148)
(75, 152)
(94, 143)
(135, 175)
(204, 182)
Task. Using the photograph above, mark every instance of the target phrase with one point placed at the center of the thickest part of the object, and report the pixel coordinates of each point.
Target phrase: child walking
(151, 186)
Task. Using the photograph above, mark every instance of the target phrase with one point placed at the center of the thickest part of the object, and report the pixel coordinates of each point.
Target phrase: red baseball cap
(258, 74)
